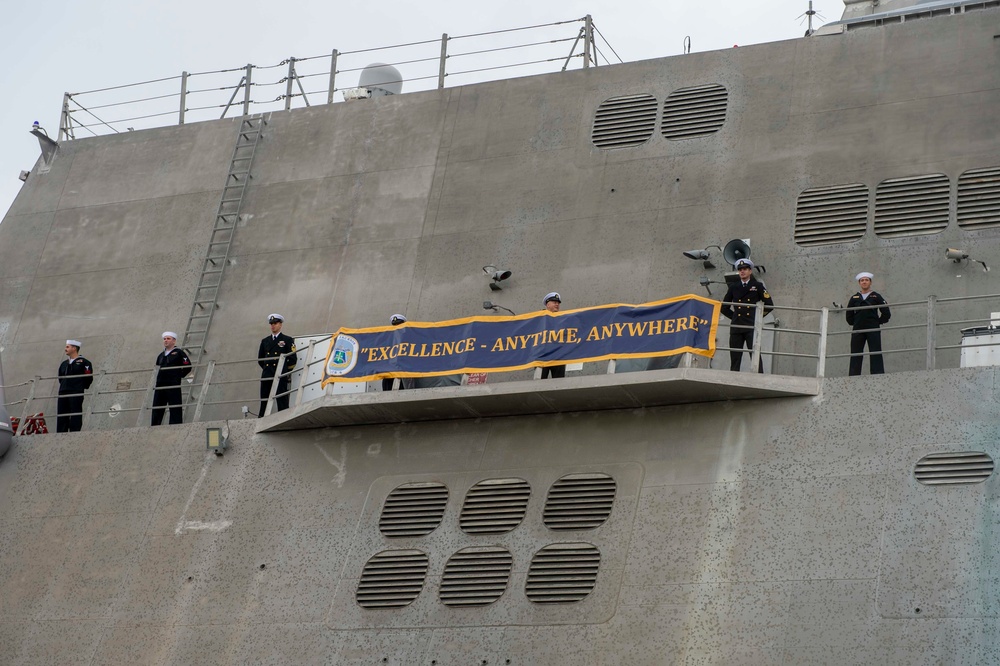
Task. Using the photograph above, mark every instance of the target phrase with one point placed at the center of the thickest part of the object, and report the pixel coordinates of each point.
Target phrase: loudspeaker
(735, 250)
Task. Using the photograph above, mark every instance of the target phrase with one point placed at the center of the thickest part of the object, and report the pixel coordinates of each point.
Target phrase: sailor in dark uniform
(271, 348)
(76, 374)
(173, 365)
(867, 319)
(387, 382)
(739, 305)
(552, 302)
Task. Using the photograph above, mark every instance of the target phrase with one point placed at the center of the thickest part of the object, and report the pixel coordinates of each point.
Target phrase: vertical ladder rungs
(226, 218)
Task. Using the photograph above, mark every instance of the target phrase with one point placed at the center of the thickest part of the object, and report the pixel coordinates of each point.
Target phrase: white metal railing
(102, 387)
(312, 80)
(809, 342)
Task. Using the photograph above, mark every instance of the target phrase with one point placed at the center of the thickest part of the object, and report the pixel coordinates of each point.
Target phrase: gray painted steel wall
(777, 531)
(782, 531)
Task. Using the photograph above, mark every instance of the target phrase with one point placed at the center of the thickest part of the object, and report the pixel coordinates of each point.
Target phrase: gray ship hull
(732, 519)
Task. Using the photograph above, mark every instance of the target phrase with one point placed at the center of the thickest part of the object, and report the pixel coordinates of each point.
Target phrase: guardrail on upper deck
(312, 80)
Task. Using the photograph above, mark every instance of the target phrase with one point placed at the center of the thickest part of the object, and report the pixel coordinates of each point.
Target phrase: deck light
(702, 255)
(497, 275)
(957, 256)
(215, 441)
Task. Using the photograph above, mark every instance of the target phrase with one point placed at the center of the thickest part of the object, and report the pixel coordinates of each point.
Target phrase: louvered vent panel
(414, 509)
(476, 576)
(979, 199)
(392, 579)
(621, 122)
(562, 573)
(915, 206)
(950, 468)
(579, 502)
(495, 506)
(828, 215)
(689, 113)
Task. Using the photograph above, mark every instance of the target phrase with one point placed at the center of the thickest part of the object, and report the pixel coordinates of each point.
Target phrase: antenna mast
(809, 17)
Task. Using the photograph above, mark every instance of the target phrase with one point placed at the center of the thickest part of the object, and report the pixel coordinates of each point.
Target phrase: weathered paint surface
(766, 531)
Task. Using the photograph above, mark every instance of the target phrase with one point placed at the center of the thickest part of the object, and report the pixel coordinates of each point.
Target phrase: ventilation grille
(562, 573)
(414, 509)
(476, 576)
(827, 215)
(495, 506)
(979, 199)
(621, 122)
(579, 502)
(692, 112)
(392, 579)
(948, 468)
(915, 206)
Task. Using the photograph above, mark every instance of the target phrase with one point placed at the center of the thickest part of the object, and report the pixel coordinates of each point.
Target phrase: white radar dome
(384, 78)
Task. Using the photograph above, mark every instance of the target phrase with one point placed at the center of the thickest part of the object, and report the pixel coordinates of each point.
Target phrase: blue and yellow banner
(491, 344)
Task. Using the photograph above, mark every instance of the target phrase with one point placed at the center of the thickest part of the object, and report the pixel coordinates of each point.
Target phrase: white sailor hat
(863, 274)
(552, 296)
(743, 262)
(274, 318)
(169, 334)
(75, 343)
(397, 319)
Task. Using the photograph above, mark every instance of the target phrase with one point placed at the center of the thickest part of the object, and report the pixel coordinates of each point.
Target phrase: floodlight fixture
(497, 275)
(215, 441)
(702, 255)
(958, 256)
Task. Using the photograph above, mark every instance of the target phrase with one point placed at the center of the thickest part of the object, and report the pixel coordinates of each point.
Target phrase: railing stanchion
(92, 393)
(824, 327)
(66, 120)
(274, 385)
(184, 93)
(444, 57)
(246, 91)
(288, 83)
(931, 352)
(27, 401)
(147, 399)
(204, 391)
(333, 76)
(758, 333)
(305, 373)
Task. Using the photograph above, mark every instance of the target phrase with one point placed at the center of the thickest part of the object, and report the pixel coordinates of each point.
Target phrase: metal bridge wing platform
(652, 388)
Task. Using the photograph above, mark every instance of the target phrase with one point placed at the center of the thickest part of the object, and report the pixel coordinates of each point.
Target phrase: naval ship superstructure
(683, 515)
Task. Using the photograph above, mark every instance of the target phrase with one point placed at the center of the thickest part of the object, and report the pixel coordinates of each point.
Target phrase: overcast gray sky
(48, 47)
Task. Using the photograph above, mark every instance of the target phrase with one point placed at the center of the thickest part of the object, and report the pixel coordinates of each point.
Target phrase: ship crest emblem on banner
(344, 356)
